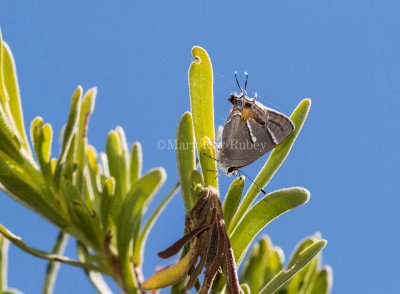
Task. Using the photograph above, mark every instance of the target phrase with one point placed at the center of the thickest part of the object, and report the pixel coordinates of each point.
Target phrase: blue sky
(344, 55)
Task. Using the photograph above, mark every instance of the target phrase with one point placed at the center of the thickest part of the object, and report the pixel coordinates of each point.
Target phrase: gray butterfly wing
(238, 145)
(233, 130)
(279, 126)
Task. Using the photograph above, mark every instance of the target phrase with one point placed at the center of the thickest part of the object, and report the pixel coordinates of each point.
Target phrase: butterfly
(250, 131)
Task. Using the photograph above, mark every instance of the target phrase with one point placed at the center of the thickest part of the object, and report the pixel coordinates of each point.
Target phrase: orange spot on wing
(247, 113)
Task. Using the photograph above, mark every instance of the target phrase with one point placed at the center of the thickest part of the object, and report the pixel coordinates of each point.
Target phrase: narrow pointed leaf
(263, 212)
(207, 148)
(41, 136)
(275, 160)
(17, 241)
(135, 203)
(196, 178)
(68, 132)
(118, 166)
(251, 273)
(232, 199)
(12, 291)
(274, 264)
(263, 262)
(3, 94)
(19, 185)
(95, 277)
(67, 169)
(87, 107)
(185, 155)
(9, 142)
(300, 282)
(130, 216)
(202, 108)
(248, 262)
(138, 254)
(107, 201)
(83, 218)
(10, 81)
(93, 178)
(4, 244)
(323, 282)
(104, 164)
(136, 162)
(72, 121)
(126, 157)
(305, 257)
(53, 266)
(245, 288)
(170, 275)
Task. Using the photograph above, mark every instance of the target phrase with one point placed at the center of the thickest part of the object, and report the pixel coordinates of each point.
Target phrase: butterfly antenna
(245, 83)
(262, 190)
(237, 82)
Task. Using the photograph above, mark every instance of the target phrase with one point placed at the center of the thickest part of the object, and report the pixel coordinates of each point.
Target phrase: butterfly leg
(209, 156)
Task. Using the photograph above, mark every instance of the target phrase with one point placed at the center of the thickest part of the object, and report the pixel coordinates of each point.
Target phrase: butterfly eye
(238, 102)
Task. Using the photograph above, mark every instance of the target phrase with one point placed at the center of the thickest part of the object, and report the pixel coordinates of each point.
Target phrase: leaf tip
(305, 192)
(306, 103)
(161, 172)
(78, 90)
(199, 53)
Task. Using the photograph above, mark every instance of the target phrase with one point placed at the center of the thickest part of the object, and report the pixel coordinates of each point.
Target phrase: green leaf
(68, 133)
(93, 179)
(3, 95)
(201, 99)
(107, 202)
(130, 216)
(138, 254)
(301, 282)
(275, 160)
(104, 164)
(11, 87)
(17, 241)
(7, 124)
(71, 123)
(263, 212)
(274, 263)
(170, 275)
(9, 142)
(263, 262)
(11, 291)
(53, 266)
(118, 165)
(87, 107)
(245, 288)
(17, 182)
(186, 158)
(305, 257)
(125, 156)
(301, 246)
(4, 244)
(41, 136)
(323, 282)
(252, 272)
(95, 277)
(195, 179)
(232, 199)
(136, 162)
(84, 219)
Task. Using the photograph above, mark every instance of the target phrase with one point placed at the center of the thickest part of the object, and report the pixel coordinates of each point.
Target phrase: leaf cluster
(101, 198)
